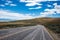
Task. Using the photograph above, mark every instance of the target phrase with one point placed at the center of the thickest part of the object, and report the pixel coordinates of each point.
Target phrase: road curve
(38, 32)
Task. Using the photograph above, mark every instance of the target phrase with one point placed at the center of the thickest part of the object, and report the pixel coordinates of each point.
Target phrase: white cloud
(49, 5)
(8, 1)
(55, 11)
(55, 4)
(51, 11)
(2, 5)
(13, 5)
(36, 0)
(36, 8)
(57, 8)
(46, 13)
(14, 16)
(32, 4)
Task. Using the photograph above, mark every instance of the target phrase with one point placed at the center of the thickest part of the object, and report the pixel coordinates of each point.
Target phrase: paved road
(38, 32)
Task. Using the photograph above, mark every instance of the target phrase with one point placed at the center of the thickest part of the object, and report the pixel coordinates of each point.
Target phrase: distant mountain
(5, 20)
(36, 20)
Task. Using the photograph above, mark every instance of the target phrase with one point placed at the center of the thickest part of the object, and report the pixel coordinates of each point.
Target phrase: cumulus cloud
(49, 5)
(10, 4)
(34, 2)
(2, 5)
(51, 12)
(13, 5)
(55, 9)
(5, 14)
(9, 1)
(36, 8)
(6, 3)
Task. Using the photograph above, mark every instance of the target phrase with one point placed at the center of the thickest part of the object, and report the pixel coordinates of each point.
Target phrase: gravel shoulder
(54, 35)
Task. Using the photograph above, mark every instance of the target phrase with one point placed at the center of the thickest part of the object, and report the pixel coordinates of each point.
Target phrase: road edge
(52, 34)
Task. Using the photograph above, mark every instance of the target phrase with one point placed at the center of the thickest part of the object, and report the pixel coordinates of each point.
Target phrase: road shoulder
(53, 34)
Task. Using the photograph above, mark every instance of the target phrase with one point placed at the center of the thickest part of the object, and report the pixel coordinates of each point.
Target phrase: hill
(51, 23)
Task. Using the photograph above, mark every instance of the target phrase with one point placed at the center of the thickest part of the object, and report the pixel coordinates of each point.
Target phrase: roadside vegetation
(18, 23)
(54, 26)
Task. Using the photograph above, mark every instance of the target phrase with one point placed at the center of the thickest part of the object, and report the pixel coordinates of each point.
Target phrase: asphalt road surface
(38, 32)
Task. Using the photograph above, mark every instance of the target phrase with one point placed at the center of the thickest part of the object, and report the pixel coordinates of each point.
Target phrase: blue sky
(29, 9)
